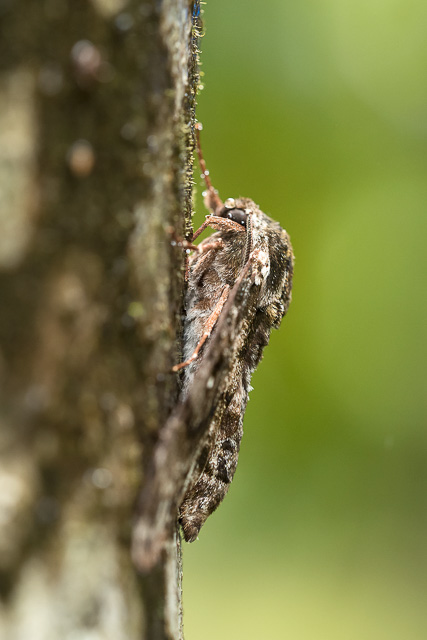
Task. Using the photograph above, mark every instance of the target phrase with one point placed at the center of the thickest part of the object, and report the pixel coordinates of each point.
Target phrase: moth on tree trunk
(249, 255)
(239, 284)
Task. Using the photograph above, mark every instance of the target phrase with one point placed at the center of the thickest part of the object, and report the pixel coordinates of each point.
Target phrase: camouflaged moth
(239, 284)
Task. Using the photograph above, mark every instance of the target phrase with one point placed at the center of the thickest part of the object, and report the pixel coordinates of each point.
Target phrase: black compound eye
(238, 215)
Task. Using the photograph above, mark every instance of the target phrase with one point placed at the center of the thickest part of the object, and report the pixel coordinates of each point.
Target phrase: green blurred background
(318, 111)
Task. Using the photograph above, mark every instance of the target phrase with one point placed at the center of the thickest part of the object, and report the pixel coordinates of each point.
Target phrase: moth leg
(217, 243)
(187, 245)
(178, 241)
(210, 323)
(220, 224)
(203, 249)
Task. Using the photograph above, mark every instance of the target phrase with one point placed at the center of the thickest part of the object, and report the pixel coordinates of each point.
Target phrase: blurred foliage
(317, 111)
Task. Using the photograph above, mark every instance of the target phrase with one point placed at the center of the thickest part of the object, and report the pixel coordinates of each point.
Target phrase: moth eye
(237, 215)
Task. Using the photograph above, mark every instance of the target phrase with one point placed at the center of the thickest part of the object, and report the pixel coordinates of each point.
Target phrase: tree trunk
(97, 106)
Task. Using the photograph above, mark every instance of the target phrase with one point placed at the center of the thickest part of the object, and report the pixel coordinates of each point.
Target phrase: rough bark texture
(96, 110)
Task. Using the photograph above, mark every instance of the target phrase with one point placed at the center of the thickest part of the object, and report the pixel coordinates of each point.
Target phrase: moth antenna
(212, 199)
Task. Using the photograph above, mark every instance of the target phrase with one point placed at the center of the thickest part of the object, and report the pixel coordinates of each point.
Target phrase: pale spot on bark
(109, 8)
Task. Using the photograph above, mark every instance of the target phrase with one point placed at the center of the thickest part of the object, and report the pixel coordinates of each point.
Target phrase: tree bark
(97, 104)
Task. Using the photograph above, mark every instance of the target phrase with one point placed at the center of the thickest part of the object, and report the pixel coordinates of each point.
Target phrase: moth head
(232, 212)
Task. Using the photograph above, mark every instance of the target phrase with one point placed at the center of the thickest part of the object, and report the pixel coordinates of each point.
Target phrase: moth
(239, 283)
